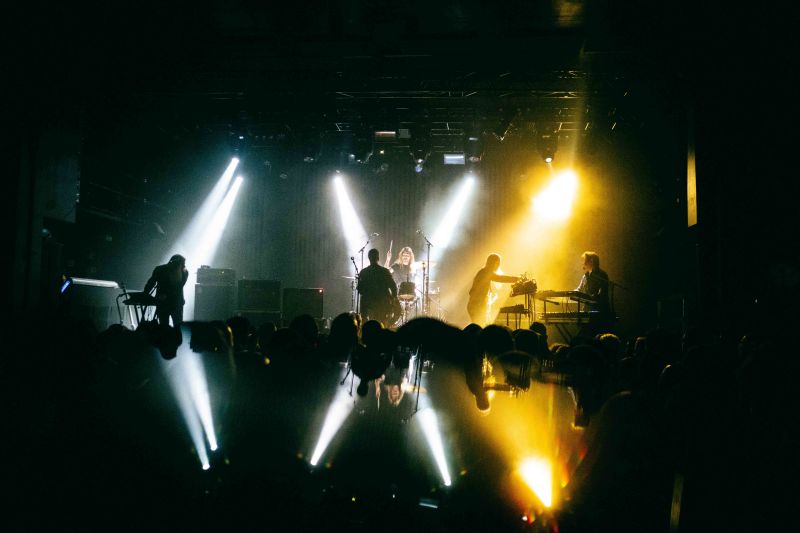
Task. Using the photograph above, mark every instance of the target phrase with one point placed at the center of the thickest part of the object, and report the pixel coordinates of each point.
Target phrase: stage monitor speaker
(260, 295)
(298, 302)
(213, 302)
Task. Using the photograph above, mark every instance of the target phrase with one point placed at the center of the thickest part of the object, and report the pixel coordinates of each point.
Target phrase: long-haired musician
(168, 281)
(481, 292)
(403, 268)
(594, 282)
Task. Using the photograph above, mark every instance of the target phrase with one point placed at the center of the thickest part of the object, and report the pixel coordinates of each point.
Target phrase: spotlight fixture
(420, 146)
(473, 145)
(454, 159)
(385, 134)
(310, 146)
(362, 149)
(547, 144)
(237, 142)
(507, 116)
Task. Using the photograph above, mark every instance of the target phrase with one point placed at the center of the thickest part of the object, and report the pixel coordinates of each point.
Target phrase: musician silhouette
(594, 282)
(168, 281)
(481, 295)
(378, 291)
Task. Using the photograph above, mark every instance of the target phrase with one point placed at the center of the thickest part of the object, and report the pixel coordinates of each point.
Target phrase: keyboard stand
(140, 310)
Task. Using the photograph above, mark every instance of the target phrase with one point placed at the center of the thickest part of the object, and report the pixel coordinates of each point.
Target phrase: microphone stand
(426, 276)
(354, 302)
(416, 380)
(361, 251)
(611, 286)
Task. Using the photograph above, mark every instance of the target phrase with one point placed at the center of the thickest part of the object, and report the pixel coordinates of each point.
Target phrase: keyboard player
(481, 296)
(594, 282)
(168, 281)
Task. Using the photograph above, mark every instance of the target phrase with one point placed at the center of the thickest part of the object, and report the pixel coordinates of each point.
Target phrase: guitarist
(378, 291)
(481, 295)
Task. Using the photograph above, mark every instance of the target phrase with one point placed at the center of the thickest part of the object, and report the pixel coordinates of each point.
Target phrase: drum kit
(411, 295)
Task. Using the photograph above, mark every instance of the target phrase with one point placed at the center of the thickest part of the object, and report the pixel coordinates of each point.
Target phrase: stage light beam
(177, 381)
(443, 236)
(555, 201)
(194, 377)
(195, 243)
(352, 228)
(430, 427)
(337, 413)
(202, 251)
(207, 246)
(194, 231)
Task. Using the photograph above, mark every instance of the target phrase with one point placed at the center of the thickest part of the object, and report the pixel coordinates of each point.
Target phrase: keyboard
(519, 308)
(575, 296)
(575, 317)
(140, 298)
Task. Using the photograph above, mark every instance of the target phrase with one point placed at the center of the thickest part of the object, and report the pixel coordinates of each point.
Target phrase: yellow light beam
(555, 201)
(538, 475)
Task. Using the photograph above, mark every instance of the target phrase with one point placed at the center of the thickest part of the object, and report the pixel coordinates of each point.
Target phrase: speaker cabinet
(260, 295)
(213, 302)
(302, 302)
(216, 276)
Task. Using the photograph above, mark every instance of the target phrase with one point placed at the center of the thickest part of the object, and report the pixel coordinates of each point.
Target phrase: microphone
(352, 258)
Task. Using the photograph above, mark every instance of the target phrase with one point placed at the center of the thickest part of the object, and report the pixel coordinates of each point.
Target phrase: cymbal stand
(441, 312)
(426, 268)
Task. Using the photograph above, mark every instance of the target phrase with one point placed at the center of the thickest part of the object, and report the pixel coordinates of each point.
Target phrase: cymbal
(349, 277)
(419, 264)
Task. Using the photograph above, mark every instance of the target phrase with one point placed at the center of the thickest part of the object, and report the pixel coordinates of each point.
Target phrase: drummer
(404, 269)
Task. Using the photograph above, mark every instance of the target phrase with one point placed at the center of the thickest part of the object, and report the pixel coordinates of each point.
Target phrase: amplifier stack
(214, 293)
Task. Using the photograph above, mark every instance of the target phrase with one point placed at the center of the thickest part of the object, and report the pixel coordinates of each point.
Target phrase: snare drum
(407, 291)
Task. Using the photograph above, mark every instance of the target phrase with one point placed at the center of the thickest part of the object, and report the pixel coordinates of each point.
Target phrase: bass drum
(407, 291)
